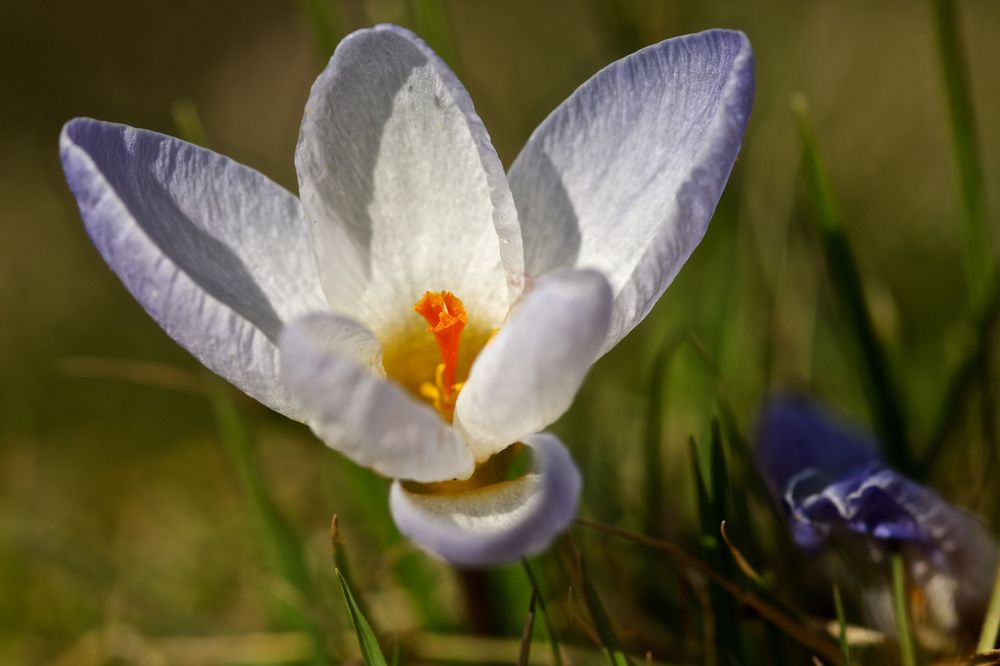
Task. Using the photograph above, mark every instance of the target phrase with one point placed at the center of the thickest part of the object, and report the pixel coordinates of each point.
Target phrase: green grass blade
(529, 627)
(602, 623)
(188, 122)
(967, 376)
(977, 240)
(546, 620)
(371, 653)
(322, 20)
(282, 546)
(838, 605)
(655, 518)
(340, 563)
(901, 607)
(712, 506)
(991, 623)
(789, 622)
(846, 281)
(433, 23)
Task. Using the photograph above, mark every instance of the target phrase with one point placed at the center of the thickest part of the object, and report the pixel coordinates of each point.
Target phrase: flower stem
(900, 602)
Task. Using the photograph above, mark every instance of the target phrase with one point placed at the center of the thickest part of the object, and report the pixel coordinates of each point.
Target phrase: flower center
(445, 316)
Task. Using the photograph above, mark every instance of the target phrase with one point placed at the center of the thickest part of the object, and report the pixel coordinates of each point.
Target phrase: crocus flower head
(831, 482)
(421, 310)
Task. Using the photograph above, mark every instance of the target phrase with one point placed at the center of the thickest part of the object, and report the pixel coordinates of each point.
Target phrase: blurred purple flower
(831, 482)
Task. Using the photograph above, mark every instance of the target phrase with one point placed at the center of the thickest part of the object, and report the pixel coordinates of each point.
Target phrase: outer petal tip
(498, 523)
(665, 125)
(215, 252)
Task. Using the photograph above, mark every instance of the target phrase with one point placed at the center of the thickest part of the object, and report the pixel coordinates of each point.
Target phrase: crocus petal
(405, 190)
(625, 174)
(795, 435)
(216, 253)
(878, 502)
(526, 377)
(497, 523)
(330, 364)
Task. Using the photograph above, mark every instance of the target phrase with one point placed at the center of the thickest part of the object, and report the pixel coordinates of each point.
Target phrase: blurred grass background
(124, 531)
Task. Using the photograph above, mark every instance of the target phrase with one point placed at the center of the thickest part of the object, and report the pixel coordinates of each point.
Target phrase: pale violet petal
(404, 189)
(528, 374)
(625, 174)
(216, 253)
(498, 523)
(331, 365)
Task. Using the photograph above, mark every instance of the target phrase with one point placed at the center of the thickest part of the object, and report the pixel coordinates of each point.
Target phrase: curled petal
(216, 253)
(497, 523)
(527, 376)
(880, 503)
(625, 174)
(402, 183)
(330, 364)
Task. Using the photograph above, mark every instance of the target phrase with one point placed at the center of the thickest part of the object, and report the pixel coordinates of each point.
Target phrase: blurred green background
(125, 533)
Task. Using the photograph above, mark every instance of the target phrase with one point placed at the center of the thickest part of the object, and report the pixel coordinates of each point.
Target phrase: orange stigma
(445, 316)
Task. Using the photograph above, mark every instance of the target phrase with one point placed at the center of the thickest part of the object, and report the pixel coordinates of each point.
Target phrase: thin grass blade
(433, 23)
(712, 506)
(282, 546)
(977, 240)
(991, 623)
(901, 607)
(845, 646)
(602, 623)
(529, 626)
(782, 618)
(323, 23)
(655, 518)
(536, 593)
(340, 562)
(188, 122)
(845, 278)
(371, 653)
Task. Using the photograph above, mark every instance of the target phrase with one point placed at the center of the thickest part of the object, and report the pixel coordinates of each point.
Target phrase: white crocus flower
(423, 312)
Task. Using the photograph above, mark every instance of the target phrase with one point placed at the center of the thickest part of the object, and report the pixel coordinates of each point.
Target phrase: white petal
(625, 174)
(498, 523)
(330, 364)
(526, 377)
(405, 190)
(216, 253)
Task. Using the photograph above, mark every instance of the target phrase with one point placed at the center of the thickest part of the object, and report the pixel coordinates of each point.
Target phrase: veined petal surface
(527, 375)
(404, 189)
(625, 174)
(497, 523)
(216, 253)
(331, 365)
